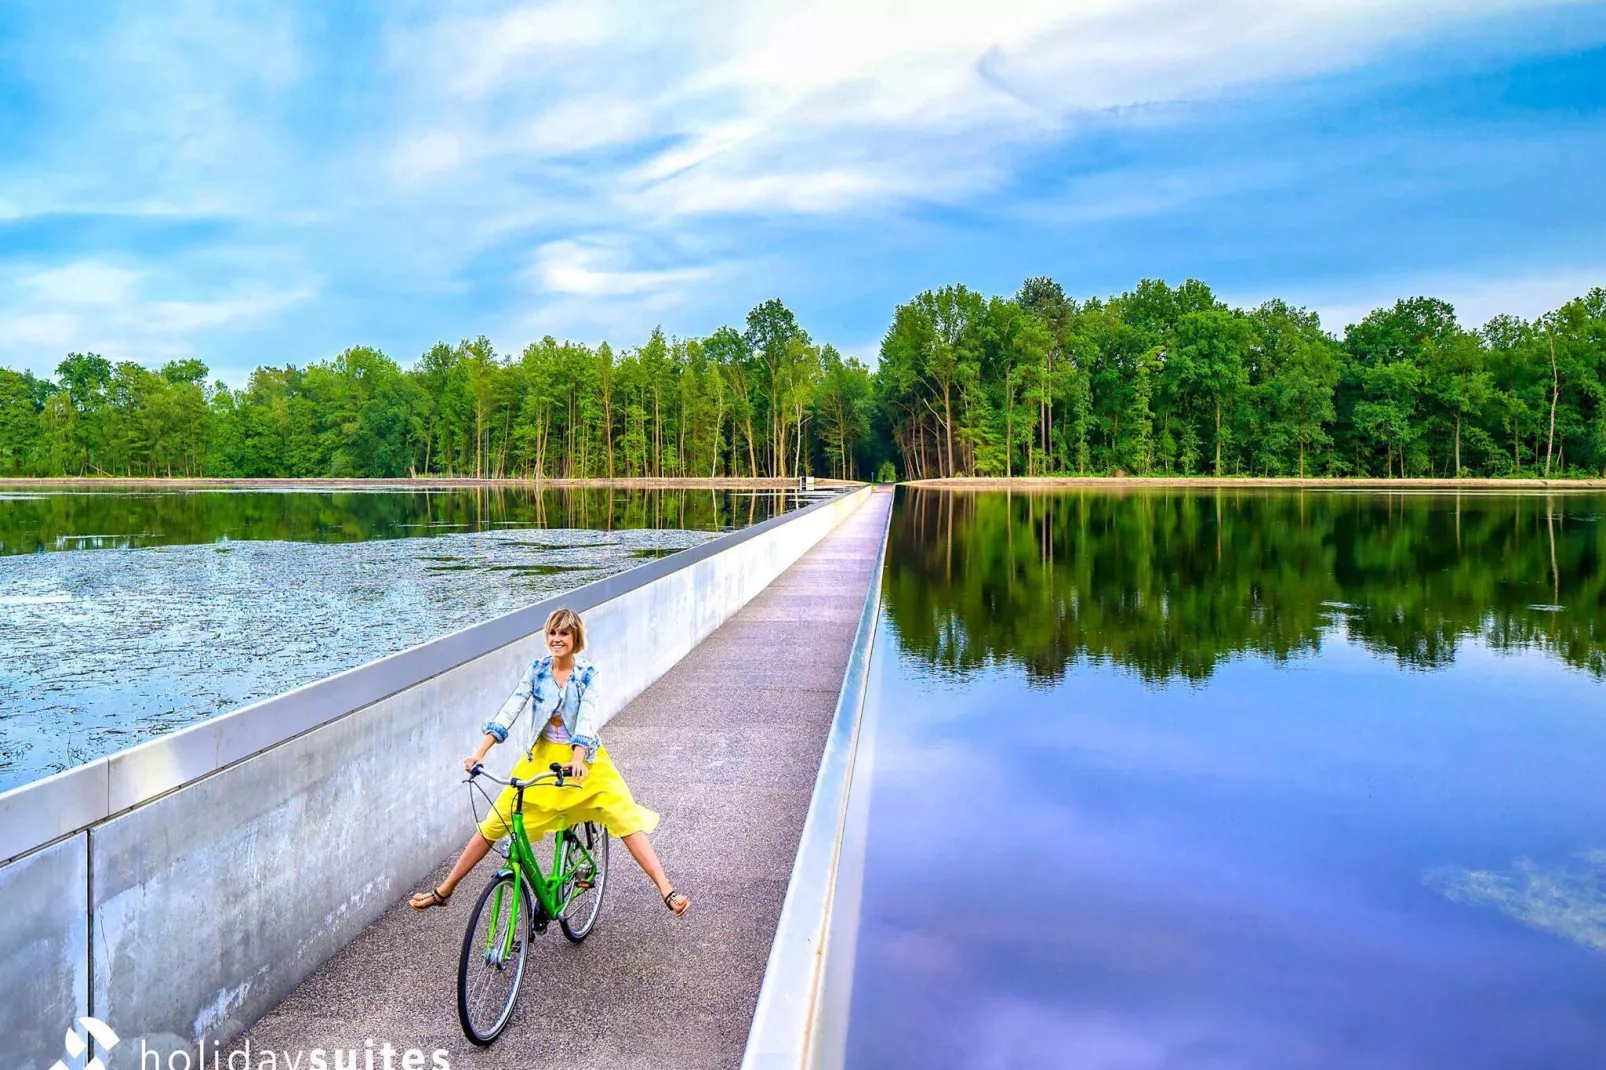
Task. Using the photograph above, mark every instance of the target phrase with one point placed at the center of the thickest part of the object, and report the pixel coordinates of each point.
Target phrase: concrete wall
(44, 953)
(211, 896)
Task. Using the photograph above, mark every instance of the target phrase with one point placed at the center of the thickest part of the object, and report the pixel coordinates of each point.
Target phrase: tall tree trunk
(948, 426)
(1555, 393)
(1218, 437)
(1009, 441)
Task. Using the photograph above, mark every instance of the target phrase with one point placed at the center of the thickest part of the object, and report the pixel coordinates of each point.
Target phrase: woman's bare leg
(473, 853)
(641, 850)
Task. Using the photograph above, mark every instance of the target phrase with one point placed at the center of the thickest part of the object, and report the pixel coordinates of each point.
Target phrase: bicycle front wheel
(494, 950)
(586, 855)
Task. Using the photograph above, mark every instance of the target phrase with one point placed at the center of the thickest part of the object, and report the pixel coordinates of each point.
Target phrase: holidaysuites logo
(77, 1043)
(381, 1055)
(373, 1055)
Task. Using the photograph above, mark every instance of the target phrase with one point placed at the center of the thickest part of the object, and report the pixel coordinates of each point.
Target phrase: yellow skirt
(602, 797)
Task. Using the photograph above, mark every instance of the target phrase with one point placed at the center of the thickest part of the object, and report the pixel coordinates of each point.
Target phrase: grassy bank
(429, 483)
(1135, 482)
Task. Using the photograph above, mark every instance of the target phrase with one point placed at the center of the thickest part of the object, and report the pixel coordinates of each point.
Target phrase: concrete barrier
(800, 1021)
(180, 889)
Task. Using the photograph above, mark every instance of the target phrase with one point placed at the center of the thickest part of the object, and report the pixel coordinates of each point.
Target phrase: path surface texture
(725, 746)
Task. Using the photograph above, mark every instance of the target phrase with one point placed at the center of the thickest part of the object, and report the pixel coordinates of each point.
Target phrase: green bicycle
(496, 943)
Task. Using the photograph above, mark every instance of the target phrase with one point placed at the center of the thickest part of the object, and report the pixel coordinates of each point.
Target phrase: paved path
(725, 746)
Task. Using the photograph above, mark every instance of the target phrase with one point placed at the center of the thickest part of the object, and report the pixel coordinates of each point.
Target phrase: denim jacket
(540, 692)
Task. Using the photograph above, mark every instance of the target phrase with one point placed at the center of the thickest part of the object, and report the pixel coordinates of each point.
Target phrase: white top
(557, 733)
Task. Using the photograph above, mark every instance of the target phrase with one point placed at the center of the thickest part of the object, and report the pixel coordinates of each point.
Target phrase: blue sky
(269, 183)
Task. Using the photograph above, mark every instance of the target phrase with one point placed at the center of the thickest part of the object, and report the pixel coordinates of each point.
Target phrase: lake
(1254, 779)
(127, 614)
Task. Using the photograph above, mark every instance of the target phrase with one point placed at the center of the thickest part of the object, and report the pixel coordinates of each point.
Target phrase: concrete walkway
(725, 746)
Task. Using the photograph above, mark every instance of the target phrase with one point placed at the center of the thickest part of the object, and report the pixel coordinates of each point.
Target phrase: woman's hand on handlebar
(577, 765)
(479, 756)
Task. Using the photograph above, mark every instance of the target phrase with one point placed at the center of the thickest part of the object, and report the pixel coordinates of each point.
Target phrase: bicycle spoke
(585, 879)
(492, 963)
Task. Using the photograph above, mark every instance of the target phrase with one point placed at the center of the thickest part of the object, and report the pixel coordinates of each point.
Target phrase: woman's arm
(478, 756)
(497, 727)
(587, 722)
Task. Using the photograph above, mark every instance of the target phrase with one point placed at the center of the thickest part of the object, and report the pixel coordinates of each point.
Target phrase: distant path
(1134, 482)
(726, 747)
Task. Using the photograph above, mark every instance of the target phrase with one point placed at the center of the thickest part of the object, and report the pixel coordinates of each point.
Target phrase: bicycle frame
(524, 867)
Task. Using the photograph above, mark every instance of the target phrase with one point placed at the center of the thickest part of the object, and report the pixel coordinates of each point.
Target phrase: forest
(1173, 584)
(1160, 380)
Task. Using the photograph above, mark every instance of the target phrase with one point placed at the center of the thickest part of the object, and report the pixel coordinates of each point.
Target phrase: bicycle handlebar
(558, 774)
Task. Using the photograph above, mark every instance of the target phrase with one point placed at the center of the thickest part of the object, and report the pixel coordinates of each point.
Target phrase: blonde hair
(567, 620)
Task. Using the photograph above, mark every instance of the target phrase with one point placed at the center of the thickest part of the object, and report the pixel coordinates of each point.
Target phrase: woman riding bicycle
(561, 691)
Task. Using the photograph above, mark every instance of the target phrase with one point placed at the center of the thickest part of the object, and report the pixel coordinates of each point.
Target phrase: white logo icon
(104, 1036)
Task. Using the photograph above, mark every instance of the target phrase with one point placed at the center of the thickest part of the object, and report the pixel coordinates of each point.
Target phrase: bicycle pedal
(581, 886)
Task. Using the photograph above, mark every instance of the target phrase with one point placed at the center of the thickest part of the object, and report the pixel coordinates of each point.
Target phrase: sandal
(677, 902)
(432, 898)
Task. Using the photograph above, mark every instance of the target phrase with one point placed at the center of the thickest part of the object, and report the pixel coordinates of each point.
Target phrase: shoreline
(975, 483)
(979, 483)
(401, 483)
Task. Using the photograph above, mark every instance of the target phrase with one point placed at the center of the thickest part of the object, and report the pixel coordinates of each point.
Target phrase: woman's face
(560, 643)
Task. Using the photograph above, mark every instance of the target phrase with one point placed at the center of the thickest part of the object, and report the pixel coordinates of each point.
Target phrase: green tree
(1211, 349)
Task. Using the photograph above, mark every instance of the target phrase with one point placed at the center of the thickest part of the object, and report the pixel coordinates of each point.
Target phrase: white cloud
(1477, 298)
(486, 51)
(572, 267)
(428, 153)
(84, 283)
(1568, 901)
(92, 306)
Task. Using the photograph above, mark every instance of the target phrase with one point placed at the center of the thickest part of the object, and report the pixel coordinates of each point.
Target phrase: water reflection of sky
(1334, 863)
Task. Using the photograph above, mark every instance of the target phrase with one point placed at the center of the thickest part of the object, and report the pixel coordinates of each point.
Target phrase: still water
(125, 615)
(1248, 780)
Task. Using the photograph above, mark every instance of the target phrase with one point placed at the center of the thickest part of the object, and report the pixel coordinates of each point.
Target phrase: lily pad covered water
(126, 615)
(1236, 779)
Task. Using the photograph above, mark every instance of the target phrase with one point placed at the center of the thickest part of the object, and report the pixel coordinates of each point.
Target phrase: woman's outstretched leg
(641, 850)
(473, 853)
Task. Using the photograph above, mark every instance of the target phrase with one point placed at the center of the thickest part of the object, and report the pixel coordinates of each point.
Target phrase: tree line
(34, 523)
(1158, 380)
(1172, 583)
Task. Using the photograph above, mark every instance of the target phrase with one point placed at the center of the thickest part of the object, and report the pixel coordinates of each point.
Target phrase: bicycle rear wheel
(588, 879)
(494, 949)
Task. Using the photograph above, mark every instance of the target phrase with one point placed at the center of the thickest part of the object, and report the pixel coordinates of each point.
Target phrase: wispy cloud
(575, 267)
(1568, 901)
(95, 306)
(1477, 298)
(836, 105)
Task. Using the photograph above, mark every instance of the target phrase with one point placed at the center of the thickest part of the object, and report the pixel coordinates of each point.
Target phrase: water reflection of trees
(1167, 584)
(51, 521)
